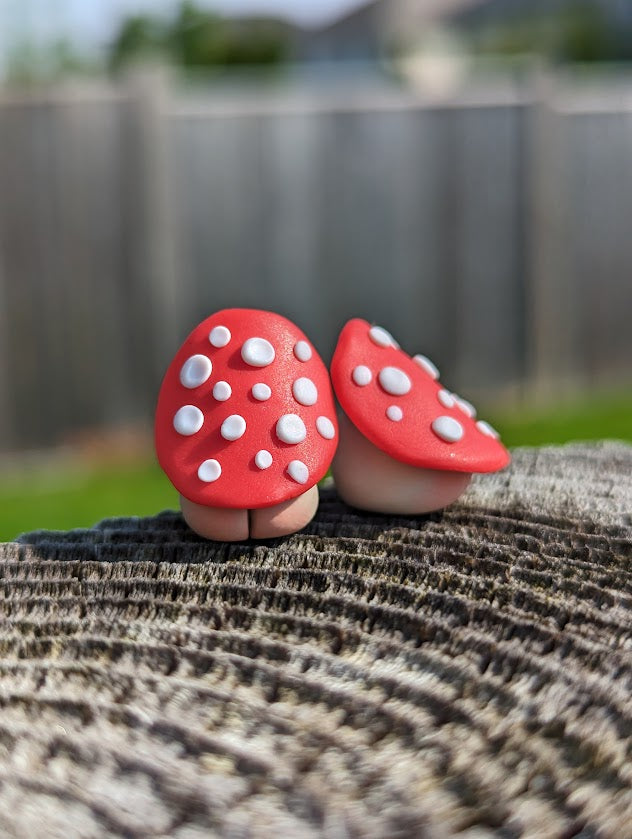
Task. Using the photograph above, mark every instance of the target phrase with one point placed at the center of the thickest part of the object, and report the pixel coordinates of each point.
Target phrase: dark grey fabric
(466, 673)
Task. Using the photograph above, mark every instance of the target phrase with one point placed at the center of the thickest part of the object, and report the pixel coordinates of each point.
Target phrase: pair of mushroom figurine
(246, 427)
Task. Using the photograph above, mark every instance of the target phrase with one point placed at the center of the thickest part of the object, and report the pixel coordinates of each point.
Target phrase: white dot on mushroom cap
(426, 365)
(305, 391)
(325, 428)
(263, 459)
(209, 471)
(488, 429)
(446, 398)
(219, 336)
(195, 371)
(381, 337)
(362, 375)
(465, 406)
(394, 413)
(257, 352)
(394, 381)
(261, 392)
(222, 391)
(291, 429)
(298, 471)
(302, 351)
(188, 420)
(448, 429)
(233, 427)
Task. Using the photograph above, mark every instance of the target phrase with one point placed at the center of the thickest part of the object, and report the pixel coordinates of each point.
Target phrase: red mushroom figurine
(246, 426)
(407, 445)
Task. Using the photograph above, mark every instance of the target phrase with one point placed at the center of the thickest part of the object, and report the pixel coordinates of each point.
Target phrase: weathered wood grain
(465, 673)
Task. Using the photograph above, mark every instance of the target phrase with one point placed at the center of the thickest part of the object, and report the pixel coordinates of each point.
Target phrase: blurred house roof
(379, 26)
(368, 32)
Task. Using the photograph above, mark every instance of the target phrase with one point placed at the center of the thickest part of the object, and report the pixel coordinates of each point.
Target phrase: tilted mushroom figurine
(246, 426)
(407, 445)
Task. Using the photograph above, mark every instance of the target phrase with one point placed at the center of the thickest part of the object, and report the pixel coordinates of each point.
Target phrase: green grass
(81, 496)
(601, 417)
(66, 496)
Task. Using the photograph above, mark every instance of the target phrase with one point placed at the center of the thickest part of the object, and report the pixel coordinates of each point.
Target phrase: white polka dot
(394, 381)
(446, 398)
(195, 371)
(291, 429)
(465, 406)
(188, 420)
(426, 365)
(261, 392)
(381, 337)
(209, 471)
(394, 413)
(326, 428)
(448, 429)
(233, 427)
(263, 459)
(222, 391)
(362, 375)
(219, 336)
(305, 391)
(486, 428)
(302, 351)
(257, 352)
(298, 471)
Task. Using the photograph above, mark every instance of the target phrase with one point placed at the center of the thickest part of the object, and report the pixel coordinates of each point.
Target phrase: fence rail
(491, 233)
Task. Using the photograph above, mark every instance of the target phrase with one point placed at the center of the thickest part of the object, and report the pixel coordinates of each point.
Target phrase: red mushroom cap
(245, 414)
(398, 404)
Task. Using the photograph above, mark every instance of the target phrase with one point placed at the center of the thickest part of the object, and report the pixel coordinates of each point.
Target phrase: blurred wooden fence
(491, 233)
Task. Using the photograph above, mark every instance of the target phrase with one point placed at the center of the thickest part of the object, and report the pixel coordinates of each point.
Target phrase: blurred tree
(578, 31)
(140, 36)
(199, 38)
(585, 35)
(30, 64)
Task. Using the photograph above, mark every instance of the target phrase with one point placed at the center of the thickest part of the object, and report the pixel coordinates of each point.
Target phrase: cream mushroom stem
(224, 524)
(368, 478)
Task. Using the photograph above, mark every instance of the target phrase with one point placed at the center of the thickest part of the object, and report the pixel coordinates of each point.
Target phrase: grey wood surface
(465, 673)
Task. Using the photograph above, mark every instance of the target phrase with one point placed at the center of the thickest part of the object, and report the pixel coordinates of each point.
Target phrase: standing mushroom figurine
(246, 426)
(407, 445)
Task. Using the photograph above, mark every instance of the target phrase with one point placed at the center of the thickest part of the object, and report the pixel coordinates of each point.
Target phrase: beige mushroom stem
(229, 525)
(368, 478)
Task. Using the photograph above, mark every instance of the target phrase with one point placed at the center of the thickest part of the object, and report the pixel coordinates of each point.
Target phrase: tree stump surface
(466, 673)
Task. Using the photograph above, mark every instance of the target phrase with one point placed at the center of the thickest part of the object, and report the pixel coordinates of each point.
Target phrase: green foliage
(28, 64)
(578, 32)
(140, 36)
(198, 38)
(79, 496)
(602, 417)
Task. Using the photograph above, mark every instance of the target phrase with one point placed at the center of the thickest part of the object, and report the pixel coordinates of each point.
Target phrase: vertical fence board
(600, 149)
(29, 258)
(486, 239)
(553, 308)
(291, 165)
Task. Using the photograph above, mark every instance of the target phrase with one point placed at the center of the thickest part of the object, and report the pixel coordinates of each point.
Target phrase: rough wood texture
(462, 674)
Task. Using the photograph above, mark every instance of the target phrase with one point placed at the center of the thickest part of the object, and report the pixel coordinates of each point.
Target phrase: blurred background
(458, 171)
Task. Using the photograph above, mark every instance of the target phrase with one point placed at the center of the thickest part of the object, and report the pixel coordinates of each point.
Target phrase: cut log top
(463, 673)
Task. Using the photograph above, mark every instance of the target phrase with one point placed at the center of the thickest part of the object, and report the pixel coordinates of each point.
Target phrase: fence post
(156, 305)
(7, 430)
(552, 310)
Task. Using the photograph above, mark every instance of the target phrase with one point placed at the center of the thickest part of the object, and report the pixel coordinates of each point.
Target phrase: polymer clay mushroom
(246, 426)
(407, 445)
